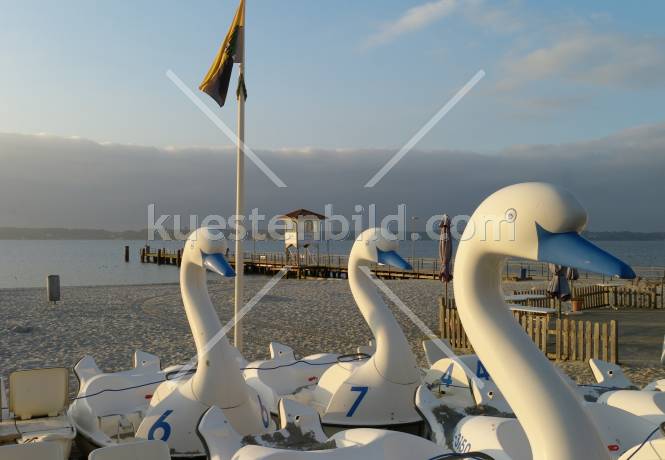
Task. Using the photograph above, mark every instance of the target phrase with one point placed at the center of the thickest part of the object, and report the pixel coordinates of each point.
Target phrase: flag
(216, 81)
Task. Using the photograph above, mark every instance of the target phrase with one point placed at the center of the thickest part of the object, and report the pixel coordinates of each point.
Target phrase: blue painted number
(447, 377)
(164, 425)
(362, 391)
(265, 416)
(481, 372)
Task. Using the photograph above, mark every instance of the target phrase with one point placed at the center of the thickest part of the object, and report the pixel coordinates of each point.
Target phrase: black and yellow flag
(216, 82)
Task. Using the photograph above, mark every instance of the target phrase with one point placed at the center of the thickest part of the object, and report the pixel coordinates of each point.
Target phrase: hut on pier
(303, 233)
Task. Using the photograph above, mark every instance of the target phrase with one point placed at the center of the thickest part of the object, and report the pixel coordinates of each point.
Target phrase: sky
(346, 81)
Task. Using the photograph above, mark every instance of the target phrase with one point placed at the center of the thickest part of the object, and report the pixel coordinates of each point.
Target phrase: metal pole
(413, 240)
(240, 198)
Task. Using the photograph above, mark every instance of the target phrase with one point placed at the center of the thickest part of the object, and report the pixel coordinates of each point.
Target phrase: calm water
(87, 263)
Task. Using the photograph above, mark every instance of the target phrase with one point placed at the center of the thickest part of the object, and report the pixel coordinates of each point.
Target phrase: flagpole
(240, 205)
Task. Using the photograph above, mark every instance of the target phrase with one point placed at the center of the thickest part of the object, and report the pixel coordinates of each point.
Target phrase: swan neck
(554, 420)
(393, 357)
(217, 379)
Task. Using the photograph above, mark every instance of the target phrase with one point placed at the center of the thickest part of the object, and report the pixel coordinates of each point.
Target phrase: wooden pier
(309, 265)
(321, 266)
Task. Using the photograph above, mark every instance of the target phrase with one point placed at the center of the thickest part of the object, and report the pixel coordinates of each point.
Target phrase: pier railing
(519, 270)
(303, 265)
(597, 291)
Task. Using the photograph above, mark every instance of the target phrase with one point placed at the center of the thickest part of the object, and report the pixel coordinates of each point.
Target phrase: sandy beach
(110, 322)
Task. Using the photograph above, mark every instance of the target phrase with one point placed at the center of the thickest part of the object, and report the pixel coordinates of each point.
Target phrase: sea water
(26, 263)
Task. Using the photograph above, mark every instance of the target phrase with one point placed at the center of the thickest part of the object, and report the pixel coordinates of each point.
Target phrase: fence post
(596, 340)
(604, 341)
(614, 342)
(558, 340)
(573, 340)
(442, 318)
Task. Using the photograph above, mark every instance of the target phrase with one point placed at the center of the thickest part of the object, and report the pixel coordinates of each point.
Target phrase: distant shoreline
(67, 234)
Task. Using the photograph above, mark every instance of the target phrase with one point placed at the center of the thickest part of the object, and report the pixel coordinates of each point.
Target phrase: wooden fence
(638, 297)
(559, 339)
(595, 296)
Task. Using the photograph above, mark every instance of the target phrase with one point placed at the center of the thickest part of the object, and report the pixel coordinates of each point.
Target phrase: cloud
(478, 12)
(58, 182)
(413, 19)
(484, 14)
(606, 60)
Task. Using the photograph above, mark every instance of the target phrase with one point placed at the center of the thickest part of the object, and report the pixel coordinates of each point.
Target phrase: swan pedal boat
(34, 424)
(553, 421)
(377, 388)
(109, 407)
(166, 405)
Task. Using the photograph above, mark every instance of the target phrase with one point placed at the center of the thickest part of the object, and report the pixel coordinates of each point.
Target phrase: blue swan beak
(572, 250)
(393, 259)
(218, 264)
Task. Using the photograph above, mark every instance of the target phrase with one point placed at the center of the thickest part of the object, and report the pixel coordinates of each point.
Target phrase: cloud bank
(48, 181)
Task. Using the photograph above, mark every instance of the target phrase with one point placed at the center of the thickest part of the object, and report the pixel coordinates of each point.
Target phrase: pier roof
(303, 213)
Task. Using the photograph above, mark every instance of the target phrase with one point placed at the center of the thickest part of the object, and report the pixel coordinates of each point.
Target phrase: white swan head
(540, 221)
(206, 248)
(378, 246)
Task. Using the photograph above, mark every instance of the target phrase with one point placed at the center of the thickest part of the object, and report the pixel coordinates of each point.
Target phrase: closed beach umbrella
(445, 252)
(558, 287)
(572, 274)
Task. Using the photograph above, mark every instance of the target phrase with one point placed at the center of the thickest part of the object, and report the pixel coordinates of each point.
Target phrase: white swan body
(377, 391)
(534, 221)
(177, 405)
(284, 374)
(618, 391)
(110, 406)
(505, 438)
(354, 444)
(301, 437)
(646, 404)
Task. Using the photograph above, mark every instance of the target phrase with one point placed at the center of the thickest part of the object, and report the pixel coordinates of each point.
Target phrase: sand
(110, 322)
